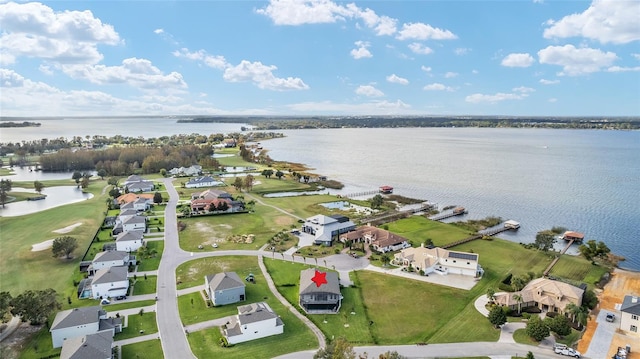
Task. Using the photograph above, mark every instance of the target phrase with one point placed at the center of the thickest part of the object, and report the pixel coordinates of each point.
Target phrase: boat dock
(555, 260)
(509, 225)
(381, 190)
(388, 217)
(458, 211)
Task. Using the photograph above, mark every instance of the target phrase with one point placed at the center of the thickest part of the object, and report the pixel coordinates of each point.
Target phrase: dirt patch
(284, 220)
(583, 343)
(68, 229)
(11, 346)
(42, 246)
(621, 340)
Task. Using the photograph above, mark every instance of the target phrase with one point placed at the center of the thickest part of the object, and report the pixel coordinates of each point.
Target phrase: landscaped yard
(418, 229)
(151, 262)
(149, 349)
(520, 336)
(578, 269)
(145, 286)
(138, 325)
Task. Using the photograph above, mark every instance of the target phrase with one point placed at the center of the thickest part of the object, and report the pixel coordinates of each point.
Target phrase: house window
(634, 329)
(634, 317)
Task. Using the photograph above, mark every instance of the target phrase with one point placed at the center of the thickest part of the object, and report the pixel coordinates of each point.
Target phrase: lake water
(585, 180)
(56, 196)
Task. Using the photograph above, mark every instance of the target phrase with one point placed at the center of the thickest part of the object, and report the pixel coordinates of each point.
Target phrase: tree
(101, 173)
(5, 305)
(385, 259)
(112, 181)
(518, 299)
(545, 240)
(38, 186)
(339, 348)
(376, 201)
(267, 173)
(114, 192)
(64, 245)
(248, 182)
(559, 325)
(163, 172)
(578, 313)
(5, 187)
(519, 281)
(35, 306)
(497, 317)
(592, 249)
(237, 184)
(491, 294)
(157, 198)
(84, 183)
(530, 355)
(76, 177)
(391, 355)
(536, 328)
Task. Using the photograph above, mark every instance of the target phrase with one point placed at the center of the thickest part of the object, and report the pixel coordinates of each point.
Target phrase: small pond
(28, 174)
(56, 196)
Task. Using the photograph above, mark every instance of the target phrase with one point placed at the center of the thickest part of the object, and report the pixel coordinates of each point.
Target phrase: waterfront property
(214, 200)
(192, 170)
(546, 294)
(573, 236)
(253, 321)
(78, 322)
(439, 260)
(327, 228)
(225, 288)
(380, 240)
(95, 346)
(320, 292)
(386, 189)
(630, 315)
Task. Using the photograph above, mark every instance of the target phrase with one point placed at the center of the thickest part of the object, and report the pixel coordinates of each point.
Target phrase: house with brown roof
(439, 260)
(130, 197)
(571, 235)
(379, 239)
(253, 321)
(545, 294)
(320, 296)
(630, 315)
(224, 288)
(213, 200)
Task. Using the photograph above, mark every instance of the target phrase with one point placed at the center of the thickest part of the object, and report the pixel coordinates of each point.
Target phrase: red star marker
(319, 278)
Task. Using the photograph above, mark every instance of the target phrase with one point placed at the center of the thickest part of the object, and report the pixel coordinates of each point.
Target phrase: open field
(20, 233)
(418, 229)
(150, 349)
(145, 286)
(192, 273)
(138, 325)
(151, 262)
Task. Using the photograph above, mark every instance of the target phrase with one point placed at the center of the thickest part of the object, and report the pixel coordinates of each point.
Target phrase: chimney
(634, 299)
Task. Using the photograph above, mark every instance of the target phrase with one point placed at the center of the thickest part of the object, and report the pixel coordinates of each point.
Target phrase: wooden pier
(456, 212)
(508, 226)
(388, 217)
(360, 194)
(556, 259)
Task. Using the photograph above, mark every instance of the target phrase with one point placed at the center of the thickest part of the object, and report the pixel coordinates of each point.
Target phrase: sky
(320, 57)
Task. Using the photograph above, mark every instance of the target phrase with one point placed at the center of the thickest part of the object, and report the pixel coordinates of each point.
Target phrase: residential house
(211, 194)
(89, 346)
(205, 181)
(230, 142)
(546, 294)
(142, 204)
(440, 261)
(78, 322)
(630, 315)
(110, 259)
(129, 219)
(320, 296)
(143, 186)
(224, 288)
(129, 241)
(130, 197)
(254, 321)
(211, 200)
(134, 223)
(110, 283)
(133, 179)
(379, 239)
(327, 228)
(193, 170)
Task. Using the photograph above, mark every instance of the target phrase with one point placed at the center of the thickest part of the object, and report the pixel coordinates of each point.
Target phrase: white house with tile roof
(544, 293)
(204, 181)
(440, 261)
(110, 283)
(254, 321)
(225, 288)
(630, 315)
(78, 322)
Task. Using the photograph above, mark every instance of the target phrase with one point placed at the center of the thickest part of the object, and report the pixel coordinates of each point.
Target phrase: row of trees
(32, 306)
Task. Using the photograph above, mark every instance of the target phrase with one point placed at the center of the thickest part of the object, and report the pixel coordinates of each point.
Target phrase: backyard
(149, 349)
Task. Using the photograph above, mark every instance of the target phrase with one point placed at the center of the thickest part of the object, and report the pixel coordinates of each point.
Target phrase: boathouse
(386, 189)
(573, 236)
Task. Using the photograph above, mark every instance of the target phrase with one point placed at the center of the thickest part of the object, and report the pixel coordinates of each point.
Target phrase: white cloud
(158, 31)
(460, 51)
(213, 61)
(35, 30)
(607, 21)
(450, 74)
(45, 69)
(393, 78)
(425, 68)
(553, 100)
(576, 61)
(327, 107)
(369, 91)
(139, 73)
(9, 78)
(523, 89)
(623, 69)
(418, 48)
(498, 97)
(518, 60)
(437, 87)
(538, 1)
(295, 12)
(636, 56)
(262, 76)
(362, 51)
(475, 72)
(420, 31)
(549, 82)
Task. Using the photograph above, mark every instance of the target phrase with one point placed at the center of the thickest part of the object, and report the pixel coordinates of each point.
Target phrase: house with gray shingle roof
(327, 228)
(205, 181)
(89, 346)
(630, 315)
(109, 259)
(110, 283)
(78, 322)
(320, 299)
(224, 288)
(129, 241)
(254, 321)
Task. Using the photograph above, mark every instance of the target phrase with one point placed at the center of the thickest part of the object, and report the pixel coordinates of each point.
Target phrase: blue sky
(320, 57)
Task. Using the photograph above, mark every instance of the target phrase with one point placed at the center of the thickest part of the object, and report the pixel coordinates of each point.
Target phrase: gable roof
(77, 316)
(97, 345)
(378, 236)
(135, 219)
(109, 256)
(321, 219)
(129, 236)
(307, 286)
(255, 312)
(130, 197)
(110, 275)
(629, 306)
(555, 287)
(224, 280)
(203, 179)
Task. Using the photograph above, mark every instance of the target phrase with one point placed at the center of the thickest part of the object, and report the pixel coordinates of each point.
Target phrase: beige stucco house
(544, 293)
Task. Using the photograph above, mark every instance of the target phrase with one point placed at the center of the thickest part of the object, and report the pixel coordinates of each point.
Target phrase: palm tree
(385, 259)
(578, 313)
(518, 299)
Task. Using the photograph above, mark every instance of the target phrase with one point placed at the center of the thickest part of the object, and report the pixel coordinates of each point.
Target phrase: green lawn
(14, 196)
(520, 336)
(39, 346)
(302, 206)
(114, 307)
(151, 262)
(418, 229)
(149, 349)
(138, 325)
(578, 269)
(145, 286)
(95, 248)
(570, 339)
(44, 271)
(192, 273)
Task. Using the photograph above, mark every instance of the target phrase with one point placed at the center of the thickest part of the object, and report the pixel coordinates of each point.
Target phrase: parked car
(564, 350)
(611, 317)
(121, 297)
(105, 301)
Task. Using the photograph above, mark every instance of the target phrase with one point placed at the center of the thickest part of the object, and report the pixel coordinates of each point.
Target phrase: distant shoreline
(19, 124)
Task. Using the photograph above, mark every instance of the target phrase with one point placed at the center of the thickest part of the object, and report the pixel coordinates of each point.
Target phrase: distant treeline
(283, 123)
(19, 124)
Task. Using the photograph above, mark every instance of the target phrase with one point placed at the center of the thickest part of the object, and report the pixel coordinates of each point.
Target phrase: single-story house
(129, 241)
(211, 200)
(224, 288)
(205, 181)
(142, 186)
(327, 228)
(77, 322)
(89, 346)
(320, 292)
(192, 170)
(630, 315)
(254, 321)
(379, 239)
(546, 294)
(110, 283)
(211, 194)
(133, 179)
(440, 261)
(109, 259)
(130, 197)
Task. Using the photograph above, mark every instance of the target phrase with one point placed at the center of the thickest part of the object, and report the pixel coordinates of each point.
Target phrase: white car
(564, 350)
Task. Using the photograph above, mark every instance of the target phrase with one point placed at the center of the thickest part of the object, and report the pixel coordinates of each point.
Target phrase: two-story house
(110, 283)
(254, 321)
(81, 321)
(630, 315)
(224, 288)
(320, 292)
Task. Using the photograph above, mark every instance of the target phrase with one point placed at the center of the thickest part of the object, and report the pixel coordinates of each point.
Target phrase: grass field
(149, 349)
(138, 325)
(114, 307)
(418, 229)
(151, 263)
(578, 269)
(20, 233)
(145, 286)
(40, 346)
(520, 336)
(192, 273)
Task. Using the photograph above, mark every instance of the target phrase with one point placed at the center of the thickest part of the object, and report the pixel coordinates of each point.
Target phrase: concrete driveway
(603, 335)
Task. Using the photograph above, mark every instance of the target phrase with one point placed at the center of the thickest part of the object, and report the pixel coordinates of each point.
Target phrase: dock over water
(509, 225)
